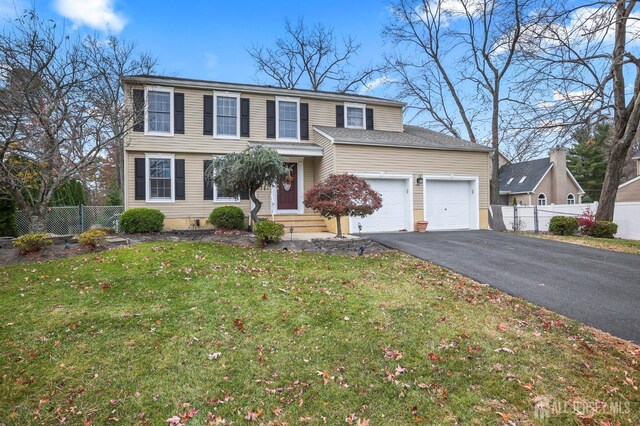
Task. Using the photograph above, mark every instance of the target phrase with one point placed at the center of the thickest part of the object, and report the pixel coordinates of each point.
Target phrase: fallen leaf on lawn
(351, 418)
(400, 370)
(175, 420)
(507, 350)
(277, 411)
(414, 410)
(214, 355)
(502, 327)
(433, 357)
(251, 416)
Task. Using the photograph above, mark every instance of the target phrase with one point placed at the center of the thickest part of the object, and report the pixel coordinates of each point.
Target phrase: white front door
(448, 204)
(394, 215)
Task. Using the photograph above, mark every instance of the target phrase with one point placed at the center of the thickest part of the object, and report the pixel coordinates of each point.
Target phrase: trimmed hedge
(564, 225)
(32, 243)
(602, 229)
(93, 238)
(227, 217)
(141, 220)
(8, 218)
(268, 232)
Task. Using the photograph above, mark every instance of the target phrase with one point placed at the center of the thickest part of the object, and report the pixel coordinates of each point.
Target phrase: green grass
(127, 335)
(612, 244)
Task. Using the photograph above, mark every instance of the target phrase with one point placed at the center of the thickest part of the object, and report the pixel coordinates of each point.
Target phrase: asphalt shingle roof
(534, 170)
(412, 137)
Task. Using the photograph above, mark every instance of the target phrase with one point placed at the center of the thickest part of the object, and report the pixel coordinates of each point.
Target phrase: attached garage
(396, 211)
(451, 203)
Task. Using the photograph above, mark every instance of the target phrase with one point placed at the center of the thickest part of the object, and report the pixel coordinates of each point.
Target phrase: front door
(288, 190)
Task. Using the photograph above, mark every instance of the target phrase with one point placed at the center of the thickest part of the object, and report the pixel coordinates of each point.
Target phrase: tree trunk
(338, 227)
(611, 181)
(257, 205)
(494, 190)
(37, 219)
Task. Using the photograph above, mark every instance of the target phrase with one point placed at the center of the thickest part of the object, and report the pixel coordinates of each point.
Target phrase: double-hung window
(355, 116)
(160, 177)
(288, 119)
(227, 115)
(159, 111)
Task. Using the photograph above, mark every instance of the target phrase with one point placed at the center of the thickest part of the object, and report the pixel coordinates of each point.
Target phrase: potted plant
(422, 225)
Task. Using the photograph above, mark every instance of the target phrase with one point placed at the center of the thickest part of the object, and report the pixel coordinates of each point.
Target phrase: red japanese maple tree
(342, 195)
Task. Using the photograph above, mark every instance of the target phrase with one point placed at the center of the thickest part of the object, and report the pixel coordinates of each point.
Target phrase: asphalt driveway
(597, 287)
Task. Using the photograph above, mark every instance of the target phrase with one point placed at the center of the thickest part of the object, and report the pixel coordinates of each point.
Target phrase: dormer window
(158, 111)
(355, 116)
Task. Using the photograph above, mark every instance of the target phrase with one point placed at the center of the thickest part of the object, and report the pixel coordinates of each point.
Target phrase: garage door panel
(392, 216)
(448, 204)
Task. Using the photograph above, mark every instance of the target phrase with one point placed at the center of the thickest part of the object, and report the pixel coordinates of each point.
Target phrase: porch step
(300, 222)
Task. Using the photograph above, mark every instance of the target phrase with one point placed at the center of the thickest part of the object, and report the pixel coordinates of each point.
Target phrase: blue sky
(208, 39)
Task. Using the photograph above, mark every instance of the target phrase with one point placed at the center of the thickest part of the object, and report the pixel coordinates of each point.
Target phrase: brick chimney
(558, 156)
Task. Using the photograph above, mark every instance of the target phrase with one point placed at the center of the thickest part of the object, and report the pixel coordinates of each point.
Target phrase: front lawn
(207, 332)
(613, 244)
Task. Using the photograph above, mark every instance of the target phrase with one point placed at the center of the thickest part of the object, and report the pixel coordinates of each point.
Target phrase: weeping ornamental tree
(342, 195)
(248, 171)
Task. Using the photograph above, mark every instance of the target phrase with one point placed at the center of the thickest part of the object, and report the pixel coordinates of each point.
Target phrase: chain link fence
(73, 219)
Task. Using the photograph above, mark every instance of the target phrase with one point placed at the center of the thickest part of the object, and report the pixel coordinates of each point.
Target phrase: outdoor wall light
(419, 181)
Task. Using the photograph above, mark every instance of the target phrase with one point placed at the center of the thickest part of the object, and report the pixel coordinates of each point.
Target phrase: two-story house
(421, 174)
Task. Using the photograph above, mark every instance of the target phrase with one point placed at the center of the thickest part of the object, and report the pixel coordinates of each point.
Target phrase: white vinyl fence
(523, 218)
(627, 216)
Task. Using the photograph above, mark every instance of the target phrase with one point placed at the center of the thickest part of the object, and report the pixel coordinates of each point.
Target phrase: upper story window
(160, 177)
(227, 115)
(355, 116)
(159, 111)
(288, 118)
(571, 199)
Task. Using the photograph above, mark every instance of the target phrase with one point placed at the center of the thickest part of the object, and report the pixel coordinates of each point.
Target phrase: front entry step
(300, 222)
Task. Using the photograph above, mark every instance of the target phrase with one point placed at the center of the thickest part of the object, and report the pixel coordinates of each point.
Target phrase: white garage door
(448, 204)
(395, 212)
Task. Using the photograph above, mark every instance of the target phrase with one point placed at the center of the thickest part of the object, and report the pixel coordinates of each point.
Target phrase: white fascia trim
(542, 178)
(326, 135)
(635, 179)
(580, 190)
(297, 102)
(147, 178)
(363, 107)
(470, 178)
(215, 114)
(169, 90)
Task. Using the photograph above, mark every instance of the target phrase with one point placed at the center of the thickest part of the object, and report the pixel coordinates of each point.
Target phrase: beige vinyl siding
(325, 165)
(321, 113)
(370, 159)
(194, 205)
(629, 193)
(552, 198)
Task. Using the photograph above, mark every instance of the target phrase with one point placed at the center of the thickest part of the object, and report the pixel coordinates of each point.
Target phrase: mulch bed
(10, 256)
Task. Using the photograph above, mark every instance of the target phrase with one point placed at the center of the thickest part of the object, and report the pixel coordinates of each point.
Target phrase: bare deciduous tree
(455, 64)
(588, 60)
(52, 125)
(311, 57)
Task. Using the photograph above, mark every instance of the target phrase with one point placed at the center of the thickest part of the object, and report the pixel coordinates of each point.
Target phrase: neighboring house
(419, 173)
(543, 181)
(630, 190)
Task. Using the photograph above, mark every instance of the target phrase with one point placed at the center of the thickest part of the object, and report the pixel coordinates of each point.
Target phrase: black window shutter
(369, 118)
(271, 119)
(138, 110)
(208, 115)
(244, 117)
(139, 172)
(304, 122)
(339, 115)
(178, 113)
(179, 177)
(208, 181)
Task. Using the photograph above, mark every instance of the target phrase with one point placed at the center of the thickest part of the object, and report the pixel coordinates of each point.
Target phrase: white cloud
(375, 83)
(98, 14)
(12, 8)
(449, 10)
